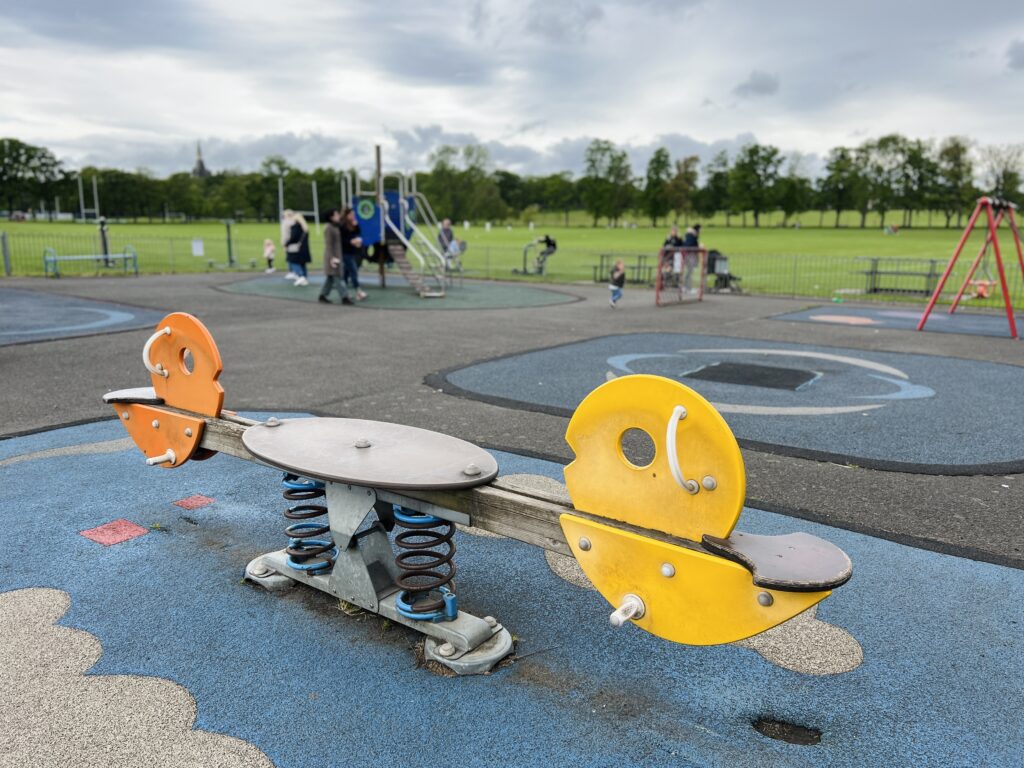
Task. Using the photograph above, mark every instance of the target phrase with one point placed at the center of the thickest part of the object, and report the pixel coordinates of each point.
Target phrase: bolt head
(445, 649)
(491, 621)
(709, 483)
(188, 431)
(668, 570)
(765, 599)
(362, 443)
(273, 421)
(156, 424)
(472, 470)
(126, 415)
(585, 544)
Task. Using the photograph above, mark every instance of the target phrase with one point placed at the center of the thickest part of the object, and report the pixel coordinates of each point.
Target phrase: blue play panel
(32, 316)
(943, 651)
(886, 410)
(971, 323)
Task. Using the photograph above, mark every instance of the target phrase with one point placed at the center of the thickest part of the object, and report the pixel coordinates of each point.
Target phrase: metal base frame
(364, 574)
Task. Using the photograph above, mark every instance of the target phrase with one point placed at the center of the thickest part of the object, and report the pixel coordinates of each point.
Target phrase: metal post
(231, 255)
(5, 247)
(982, 203)
(81, 199)
(379, 192)
(95, 196)
(280, 197)
(316, 207)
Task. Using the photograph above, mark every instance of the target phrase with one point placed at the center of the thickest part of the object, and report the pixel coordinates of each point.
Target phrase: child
(268, 254)
(618, 279)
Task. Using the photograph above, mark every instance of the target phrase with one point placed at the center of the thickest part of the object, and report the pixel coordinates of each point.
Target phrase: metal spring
(428, 592)
(306, 552)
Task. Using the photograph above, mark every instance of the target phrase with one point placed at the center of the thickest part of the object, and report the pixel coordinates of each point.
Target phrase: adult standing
(332, 260)
(691, 242)
(351, 247)
(296, 247)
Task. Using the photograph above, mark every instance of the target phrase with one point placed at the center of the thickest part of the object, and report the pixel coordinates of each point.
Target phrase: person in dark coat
(351, 247)
(332, 260)
(296, 247)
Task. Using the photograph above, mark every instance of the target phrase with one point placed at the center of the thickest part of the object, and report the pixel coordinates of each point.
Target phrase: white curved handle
(158, 369)
(690, 486)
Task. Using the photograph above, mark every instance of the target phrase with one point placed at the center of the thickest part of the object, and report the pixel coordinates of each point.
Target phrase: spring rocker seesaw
(657, 541)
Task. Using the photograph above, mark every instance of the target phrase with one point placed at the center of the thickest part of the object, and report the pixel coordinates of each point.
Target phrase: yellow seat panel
(603, 482)
(707, 600)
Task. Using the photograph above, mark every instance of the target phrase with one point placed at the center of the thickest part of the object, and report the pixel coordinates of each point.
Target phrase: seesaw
(657, 541)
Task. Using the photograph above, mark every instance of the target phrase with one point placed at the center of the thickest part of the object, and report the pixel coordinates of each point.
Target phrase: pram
(723, 279)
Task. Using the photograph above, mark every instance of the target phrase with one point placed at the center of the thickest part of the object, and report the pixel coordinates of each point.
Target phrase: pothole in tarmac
(791, 733)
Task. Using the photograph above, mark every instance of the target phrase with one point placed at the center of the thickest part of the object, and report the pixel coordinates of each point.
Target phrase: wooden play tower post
(995, 210)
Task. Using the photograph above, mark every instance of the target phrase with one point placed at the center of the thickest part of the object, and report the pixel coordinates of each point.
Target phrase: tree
(560, 193)
(917, 179)
(27, 173)
(752, 179)
(595, 187)
(683, 186)
(655, 198)
(842, 186)
(794, 193)
(714, 195)
(880, 162)
(1003, 164)
(956, 174)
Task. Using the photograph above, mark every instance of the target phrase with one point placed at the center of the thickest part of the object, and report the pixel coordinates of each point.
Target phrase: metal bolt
(472, 470)
(765, 599)
(126, 415)
(362, 443)
(491, 621)
(188, 431)
(709, 483)
(585, 544)
(273, 421)
(156, 424)
(261, 570)
(445, 649)
(668, 570)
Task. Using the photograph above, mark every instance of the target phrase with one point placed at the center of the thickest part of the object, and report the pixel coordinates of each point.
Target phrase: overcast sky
(135, 83)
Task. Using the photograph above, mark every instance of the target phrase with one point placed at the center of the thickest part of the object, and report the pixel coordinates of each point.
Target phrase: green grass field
(803, 262)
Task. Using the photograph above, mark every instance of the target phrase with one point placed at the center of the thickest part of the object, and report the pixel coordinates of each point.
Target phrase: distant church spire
(200, 171)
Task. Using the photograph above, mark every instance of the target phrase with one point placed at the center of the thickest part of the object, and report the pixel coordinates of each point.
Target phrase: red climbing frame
(995, 210)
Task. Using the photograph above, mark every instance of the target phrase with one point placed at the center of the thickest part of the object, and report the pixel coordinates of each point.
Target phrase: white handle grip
(168, 457)
(690, 486)
(632, 608)
(158, 369)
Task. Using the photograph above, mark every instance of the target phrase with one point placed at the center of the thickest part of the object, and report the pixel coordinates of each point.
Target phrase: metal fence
(797, 275)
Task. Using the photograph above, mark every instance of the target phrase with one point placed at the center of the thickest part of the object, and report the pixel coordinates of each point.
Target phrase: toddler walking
(616, 282)
(268, 254)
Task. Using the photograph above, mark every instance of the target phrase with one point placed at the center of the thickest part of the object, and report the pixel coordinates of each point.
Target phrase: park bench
(893, 275)
(639, 273)
(51, 260)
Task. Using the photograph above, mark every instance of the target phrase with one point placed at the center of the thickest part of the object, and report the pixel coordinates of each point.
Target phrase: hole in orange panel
(637, 448)
(188, 364)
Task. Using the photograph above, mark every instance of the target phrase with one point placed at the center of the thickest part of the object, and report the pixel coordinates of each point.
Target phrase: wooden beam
(524, 514)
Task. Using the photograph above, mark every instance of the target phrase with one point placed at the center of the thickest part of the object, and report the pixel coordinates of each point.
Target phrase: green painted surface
(398, 295)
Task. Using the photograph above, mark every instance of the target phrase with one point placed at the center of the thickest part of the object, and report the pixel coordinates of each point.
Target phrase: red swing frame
(995, 211)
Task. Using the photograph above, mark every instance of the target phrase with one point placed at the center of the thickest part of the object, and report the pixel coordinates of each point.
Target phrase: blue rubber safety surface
(878, 409)
(30, 316)
(310, 686)
(971, 323)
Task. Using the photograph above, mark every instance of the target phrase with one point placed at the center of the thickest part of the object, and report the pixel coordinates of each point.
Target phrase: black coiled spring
(425, 562)
(307, 551)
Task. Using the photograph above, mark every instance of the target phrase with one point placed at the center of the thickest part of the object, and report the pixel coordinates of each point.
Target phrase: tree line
(880, 176)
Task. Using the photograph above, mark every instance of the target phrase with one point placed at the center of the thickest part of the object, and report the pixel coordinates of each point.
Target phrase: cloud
(758, 84)
(1015, 54)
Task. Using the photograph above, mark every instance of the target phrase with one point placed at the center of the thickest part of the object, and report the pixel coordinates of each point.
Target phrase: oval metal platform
(374, 454)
